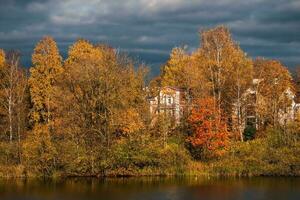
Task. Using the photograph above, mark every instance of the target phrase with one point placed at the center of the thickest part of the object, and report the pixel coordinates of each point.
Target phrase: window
(251, 121)
(169, 100)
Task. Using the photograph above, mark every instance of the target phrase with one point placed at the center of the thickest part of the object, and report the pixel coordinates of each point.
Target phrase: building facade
(170, 101)
(248, 115)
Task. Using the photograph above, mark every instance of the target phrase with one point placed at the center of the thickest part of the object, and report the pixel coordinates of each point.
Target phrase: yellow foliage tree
(228, 70)
(106, 97)
(238, 81)
(46, 68)
(130, 121)
(2, 58)
(39, 152)
(173, 71)
(82, 50)
(183, 71)
(274, 90)
(215, 55)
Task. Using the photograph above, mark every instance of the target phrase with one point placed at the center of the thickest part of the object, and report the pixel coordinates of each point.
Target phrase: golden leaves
(274, 89)
(2, 58)
(84, 51)
(173, 71)
(130, 121)
(47, 67)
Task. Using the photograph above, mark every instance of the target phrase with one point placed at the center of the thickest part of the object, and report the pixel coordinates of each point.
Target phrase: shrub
(39, 152)
(132, 157)
(9, 153)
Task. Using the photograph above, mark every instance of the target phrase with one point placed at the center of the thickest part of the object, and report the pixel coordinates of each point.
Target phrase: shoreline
(186, 174)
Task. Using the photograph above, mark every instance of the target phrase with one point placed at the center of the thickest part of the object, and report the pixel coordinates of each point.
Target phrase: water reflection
(157, 188)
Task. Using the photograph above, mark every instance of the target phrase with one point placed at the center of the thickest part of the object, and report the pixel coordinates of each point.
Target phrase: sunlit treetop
(47, 65)
(2, 58)
(173, 71)
(46, 54)
(83, 50)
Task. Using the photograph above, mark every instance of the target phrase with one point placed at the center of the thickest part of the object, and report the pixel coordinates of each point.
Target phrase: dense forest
(88, 115)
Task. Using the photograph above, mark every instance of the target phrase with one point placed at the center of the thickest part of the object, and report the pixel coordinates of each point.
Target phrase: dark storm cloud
(149, 29)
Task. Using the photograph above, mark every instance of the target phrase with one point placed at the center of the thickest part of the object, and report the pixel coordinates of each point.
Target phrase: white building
(171, 101)
(249, 102)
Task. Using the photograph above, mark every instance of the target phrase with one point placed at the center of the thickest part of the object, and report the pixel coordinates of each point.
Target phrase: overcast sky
(149, 29)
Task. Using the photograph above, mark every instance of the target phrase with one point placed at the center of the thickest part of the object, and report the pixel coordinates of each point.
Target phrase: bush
(132, 157)
(9, 153)
(12, 171)
(273, 155)
(39, 152)
(283, 136)
(174, 158)
(73, 159)
(243, 158)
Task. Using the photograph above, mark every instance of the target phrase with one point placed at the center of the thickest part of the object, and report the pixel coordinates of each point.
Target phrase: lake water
(152, 188)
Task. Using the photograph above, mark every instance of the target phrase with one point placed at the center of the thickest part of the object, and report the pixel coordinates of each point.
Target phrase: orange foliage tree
(209, 133)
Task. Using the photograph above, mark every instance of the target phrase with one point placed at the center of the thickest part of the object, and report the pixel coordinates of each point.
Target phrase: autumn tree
(227, 69)
(13, 94)
(40, 147)
(105, 101)
(39, 152)
(173, 71)
(182, 71)
(296, 79)
(239, 80)
(162, 128)
(209, 131)
(14, 104)
(46, 68)
(2, 57)
(214, 53)
(274, 91)
(3, 108)
(83, 120)
(154, 86)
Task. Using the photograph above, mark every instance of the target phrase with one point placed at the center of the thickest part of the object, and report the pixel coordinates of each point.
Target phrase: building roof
(174, 88)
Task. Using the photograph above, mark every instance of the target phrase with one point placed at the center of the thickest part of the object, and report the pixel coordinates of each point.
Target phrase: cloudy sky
(149, 29)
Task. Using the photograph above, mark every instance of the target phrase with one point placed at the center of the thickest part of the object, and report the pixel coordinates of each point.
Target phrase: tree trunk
(19, 138)
(239, 110)
(10, 116)
(219, 79)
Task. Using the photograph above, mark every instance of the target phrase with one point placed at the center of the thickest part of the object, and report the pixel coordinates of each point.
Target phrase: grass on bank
(277, 154)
